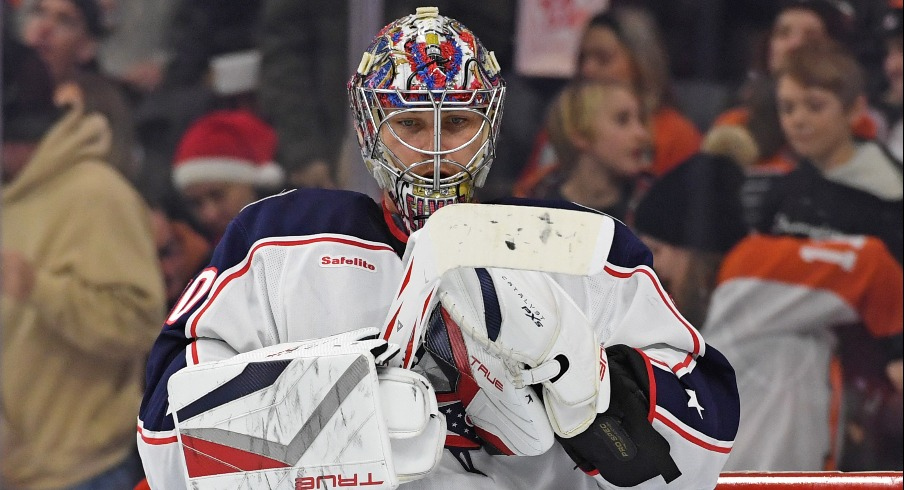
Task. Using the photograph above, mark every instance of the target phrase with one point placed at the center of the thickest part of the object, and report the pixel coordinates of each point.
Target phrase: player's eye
(456, 122)
(408, 124)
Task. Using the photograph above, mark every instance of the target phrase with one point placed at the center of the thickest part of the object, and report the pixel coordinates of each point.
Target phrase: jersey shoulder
(302, 212)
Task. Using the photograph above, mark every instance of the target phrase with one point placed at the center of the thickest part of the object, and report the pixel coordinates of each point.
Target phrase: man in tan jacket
(82, 294)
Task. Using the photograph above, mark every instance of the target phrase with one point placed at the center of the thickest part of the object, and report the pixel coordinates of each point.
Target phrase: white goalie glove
(540, 337)
(307, 415)
(526, 327)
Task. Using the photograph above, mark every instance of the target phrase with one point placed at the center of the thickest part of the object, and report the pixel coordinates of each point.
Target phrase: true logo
(334, 481)
(481, 368)
(328, 261)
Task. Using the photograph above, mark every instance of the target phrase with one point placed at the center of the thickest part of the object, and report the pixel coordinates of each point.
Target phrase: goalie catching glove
(520, 331)
(515, 329)
(307, 415)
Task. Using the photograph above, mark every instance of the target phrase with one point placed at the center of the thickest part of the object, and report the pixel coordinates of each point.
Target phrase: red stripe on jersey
(693, 333)
(276, 243)
(205, 458)
(694, 440)
(397, 232)
(688, 359)
(646, 361)
(194, 352)
(155, 441)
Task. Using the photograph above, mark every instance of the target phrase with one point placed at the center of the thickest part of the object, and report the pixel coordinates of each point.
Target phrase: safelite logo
(328, 261)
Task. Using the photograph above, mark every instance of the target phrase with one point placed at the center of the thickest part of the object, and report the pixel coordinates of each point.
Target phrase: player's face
(791, 29)
(410, 136)
(603, 57)
(815, 123)
(620, 140)
(57, 30)
(214, 204)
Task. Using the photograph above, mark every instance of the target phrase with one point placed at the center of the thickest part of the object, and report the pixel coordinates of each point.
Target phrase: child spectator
(775, 305)
(224, 162)
(840, 180)
(599, 133)
(842, 186)
(797, 22)
(623, 45)
(182, 250)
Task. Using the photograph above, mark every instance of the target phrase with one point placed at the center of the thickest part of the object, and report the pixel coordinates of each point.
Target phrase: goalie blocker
(314, 414)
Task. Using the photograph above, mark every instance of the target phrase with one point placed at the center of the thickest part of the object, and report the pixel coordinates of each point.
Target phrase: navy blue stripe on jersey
(256, 376)
(305, 212)
(627, 250)
(491, 310)
(706, 399)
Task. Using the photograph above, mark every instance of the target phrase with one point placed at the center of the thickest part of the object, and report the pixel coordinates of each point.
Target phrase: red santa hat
(228, 146)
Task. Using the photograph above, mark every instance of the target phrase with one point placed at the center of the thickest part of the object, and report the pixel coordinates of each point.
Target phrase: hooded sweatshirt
(73, 353)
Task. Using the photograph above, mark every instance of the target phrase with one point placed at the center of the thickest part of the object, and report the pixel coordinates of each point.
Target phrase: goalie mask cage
(811, 480)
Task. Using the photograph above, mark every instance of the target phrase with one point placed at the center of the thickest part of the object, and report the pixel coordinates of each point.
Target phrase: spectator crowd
(755, 147)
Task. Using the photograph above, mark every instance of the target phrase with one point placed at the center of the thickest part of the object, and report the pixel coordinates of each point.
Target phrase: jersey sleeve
(693, 399)
(693, 396)
(272, 279)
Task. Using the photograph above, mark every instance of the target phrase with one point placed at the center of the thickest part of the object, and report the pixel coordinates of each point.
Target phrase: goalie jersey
(311, 263)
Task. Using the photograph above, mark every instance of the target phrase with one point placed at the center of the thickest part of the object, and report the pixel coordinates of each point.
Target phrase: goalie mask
(427, 100)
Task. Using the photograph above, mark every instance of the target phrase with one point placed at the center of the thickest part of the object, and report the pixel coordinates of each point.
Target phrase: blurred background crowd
(754, 145)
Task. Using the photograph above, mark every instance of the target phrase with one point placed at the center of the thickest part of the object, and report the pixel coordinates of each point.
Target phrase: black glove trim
(635, 451)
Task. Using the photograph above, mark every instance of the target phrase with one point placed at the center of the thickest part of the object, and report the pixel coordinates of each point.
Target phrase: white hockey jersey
(311, 263)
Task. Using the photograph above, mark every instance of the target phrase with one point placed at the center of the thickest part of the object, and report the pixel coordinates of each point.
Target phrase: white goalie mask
(427, 100)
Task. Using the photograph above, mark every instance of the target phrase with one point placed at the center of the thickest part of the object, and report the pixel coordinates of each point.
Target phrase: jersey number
(194, 292)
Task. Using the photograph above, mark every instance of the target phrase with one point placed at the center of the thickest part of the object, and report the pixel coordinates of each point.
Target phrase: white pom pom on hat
(228, 146)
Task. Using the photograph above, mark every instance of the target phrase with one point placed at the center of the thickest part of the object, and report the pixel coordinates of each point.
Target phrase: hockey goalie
(492, 377)
(430, 342)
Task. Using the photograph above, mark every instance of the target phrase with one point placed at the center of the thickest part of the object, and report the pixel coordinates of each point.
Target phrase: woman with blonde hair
(624, 45)
(599, 131)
